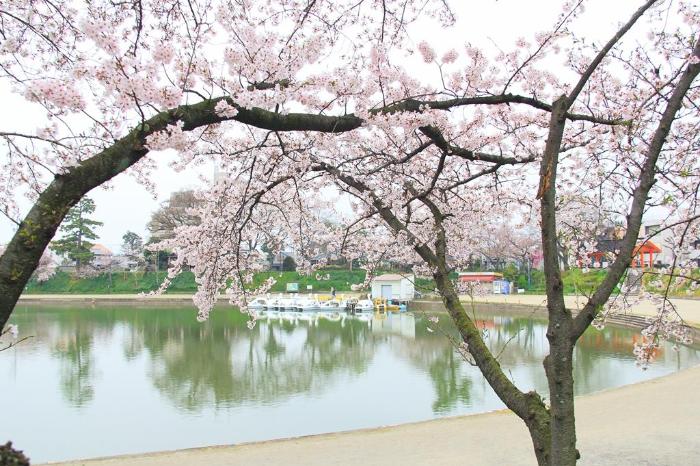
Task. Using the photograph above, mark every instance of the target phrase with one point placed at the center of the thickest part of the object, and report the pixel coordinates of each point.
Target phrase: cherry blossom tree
(292, 97)
(173, 213)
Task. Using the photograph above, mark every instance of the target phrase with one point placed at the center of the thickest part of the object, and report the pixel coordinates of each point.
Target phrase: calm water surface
(114, 380)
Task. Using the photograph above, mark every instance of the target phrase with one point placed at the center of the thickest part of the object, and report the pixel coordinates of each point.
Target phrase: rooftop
(391, 277)
(101, 250)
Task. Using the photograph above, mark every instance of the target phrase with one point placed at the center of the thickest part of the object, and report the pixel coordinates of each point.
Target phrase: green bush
(114, 283)
(575, 281)
(11, 457)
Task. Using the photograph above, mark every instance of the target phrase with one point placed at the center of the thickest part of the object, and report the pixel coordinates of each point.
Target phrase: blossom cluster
(464, 138)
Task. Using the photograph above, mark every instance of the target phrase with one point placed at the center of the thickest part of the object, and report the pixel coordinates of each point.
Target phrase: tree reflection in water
(74, 349)
(221, 363)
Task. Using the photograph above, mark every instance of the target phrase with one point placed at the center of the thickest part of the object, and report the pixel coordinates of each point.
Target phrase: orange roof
(101, 250)
(479, 276)
(647, 246)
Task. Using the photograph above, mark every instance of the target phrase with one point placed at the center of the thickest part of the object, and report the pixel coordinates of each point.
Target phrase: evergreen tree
(77, 231)
(289, 264)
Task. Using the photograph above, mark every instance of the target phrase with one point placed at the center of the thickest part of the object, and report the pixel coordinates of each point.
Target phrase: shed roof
(389, 277)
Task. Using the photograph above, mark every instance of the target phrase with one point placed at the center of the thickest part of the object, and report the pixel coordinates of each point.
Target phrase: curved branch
(634, 218)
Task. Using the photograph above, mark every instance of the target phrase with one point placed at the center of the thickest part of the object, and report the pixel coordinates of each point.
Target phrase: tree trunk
(26, 247)
(39, 226)
(559, 369)
(558, 366)
(527, 406)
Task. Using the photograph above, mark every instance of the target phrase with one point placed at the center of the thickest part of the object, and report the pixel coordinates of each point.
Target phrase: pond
(114, 380)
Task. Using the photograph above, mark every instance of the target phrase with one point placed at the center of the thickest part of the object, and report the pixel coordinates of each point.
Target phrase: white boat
(364, 305)
(306, 304)
(296, 303)
(280, 303)
(333, 305)
(272, 304)
(289, 304)
(258, 304)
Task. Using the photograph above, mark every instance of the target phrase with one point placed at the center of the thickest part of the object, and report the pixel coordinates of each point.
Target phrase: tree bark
(557, 364)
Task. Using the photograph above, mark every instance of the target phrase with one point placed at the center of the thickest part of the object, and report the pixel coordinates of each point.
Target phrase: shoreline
(671, 439)
(667, 401)
(688, 309)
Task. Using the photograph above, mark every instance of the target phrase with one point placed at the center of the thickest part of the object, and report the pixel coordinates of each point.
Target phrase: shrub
(11, 457)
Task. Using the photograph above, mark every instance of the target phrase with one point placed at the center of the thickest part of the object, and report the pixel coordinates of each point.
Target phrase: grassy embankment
(575, 281)
(136, 282)
(680, 286)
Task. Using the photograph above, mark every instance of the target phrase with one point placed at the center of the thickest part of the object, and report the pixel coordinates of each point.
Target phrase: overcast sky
(128, 206)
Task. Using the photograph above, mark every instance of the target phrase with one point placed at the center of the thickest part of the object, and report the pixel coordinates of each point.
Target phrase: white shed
(393, 286)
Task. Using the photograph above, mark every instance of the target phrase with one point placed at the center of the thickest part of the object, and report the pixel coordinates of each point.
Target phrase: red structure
(481, 277)
(646, 249)
(643, 254)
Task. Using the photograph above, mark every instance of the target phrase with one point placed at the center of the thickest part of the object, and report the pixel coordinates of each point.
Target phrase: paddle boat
(306, 304)
(258, 304)
(364, 305)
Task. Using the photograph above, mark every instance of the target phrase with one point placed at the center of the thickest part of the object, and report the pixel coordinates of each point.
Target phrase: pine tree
(77, 231)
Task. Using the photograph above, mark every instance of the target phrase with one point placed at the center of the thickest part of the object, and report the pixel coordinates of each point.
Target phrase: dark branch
(437, 137)
(639, 199)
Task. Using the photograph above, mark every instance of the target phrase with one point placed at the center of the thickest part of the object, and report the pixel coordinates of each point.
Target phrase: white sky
(128, 206)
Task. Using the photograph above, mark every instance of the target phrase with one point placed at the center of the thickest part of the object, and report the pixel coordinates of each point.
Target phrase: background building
(394, 286)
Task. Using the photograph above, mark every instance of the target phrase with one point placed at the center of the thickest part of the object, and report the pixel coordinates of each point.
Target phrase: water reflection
(162, 367)
(74, 350)
(224, 364)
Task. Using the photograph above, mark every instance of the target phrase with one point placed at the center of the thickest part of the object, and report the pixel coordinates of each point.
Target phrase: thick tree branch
(639, 199)
(547, 196)
(557, 364)
(526, 405)
(413, 105)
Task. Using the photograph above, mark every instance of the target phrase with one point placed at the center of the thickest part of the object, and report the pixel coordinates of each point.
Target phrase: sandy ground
(688, 309)
(651, 423)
